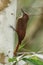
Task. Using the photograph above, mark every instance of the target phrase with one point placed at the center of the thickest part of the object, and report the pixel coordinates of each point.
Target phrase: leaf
(12, 59)
(21, 47)
(34, 60)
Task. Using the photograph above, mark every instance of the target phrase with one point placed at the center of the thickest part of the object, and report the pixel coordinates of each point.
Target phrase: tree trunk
(7, 18)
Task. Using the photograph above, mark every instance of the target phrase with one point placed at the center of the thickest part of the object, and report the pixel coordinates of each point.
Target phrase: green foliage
(12, 59)
(21, 47)
(34, 60)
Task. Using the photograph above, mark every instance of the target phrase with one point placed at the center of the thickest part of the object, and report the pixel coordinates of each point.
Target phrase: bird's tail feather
(15, 51)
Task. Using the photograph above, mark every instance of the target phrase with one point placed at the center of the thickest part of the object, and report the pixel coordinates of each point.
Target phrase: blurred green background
(33, 40)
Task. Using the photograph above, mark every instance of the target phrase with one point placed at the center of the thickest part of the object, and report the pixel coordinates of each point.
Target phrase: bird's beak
(22, 11)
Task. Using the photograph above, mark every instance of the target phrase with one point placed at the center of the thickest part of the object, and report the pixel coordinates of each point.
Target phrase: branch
(13, 28)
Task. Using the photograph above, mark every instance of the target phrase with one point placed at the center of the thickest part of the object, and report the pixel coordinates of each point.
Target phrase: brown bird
(21, 29)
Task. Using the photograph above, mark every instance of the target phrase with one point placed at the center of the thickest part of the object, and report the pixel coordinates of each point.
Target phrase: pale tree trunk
(7, 18)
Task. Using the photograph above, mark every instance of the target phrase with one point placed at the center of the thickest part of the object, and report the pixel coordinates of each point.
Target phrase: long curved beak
(22, 11)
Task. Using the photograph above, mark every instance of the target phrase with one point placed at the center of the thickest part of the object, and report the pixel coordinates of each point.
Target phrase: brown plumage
(21, 29)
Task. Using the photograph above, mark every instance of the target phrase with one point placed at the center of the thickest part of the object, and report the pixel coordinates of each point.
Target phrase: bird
(21, 28)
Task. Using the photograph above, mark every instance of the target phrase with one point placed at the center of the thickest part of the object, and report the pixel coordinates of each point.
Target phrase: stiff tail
(15, 51)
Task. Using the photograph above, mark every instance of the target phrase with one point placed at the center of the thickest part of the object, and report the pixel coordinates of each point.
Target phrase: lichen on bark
(4, 4)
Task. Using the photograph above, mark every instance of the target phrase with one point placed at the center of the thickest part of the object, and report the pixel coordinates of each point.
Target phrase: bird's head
(25, 15)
